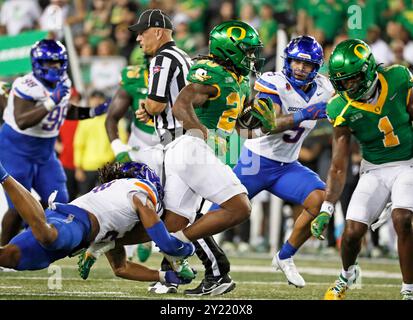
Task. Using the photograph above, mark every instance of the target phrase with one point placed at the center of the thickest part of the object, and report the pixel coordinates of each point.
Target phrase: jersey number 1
(390, 139)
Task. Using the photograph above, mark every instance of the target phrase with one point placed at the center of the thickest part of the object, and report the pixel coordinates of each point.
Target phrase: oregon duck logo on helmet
(353, 60)
(238, 43)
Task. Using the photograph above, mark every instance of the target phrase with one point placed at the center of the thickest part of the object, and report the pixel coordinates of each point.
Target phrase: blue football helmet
(304, 48)
(142, 171)
(49, 50)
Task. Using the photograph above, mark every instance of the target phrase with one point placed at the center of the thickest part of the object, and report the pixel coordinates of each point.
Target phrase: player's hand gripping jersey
(383, 127)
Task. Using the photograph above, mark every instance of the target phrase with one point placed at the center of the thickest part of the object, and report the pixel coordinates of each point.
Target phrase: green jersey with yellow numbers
(235, 141)
(135, 83)
(219, 112)
(383, 129)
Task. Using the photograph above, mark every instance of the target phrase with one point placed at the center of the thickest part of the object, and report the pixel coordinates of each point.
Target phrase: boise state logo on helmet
(304, 48)
(49, 51)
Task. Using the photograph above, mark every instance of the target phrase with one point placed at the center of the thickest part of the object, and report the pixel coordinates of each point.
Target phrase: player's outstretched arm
(80, 113)
(128, 270)
(133, 271)
(29, 208)
(191, 96)
(336, 179)
(290, 121)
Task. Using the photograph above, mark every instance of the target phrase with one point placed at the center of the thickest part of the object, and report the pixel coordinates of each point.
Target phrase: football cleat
(338, 290)
(181, 267)
(162, 288)
(289, 269)
(144, 251)
(407, 295)
(85, 263)
(87, 257)
(212, 286)
(4, 269)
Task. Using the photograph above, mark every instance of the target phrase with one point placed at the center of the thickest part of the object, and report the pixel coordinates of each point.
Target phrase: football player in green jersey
(208, 108)
(376, 106)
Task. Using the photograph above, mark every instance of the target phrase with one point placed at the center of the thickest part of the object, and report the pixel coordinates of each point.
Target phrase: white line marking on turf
(304, 270)
(11, 287)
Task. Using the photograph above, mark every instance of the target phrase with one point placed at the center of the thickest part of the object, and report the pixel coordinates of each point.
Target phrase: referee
(167, 77)
(167, 72)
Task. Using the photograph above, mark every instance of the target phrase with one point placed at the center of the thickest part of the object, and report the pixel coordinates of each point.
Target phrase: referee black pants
(215, 261)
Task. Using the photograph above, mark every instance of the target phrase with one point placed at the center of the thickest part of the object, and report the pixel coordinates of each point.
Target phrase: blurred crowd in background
(104, 46)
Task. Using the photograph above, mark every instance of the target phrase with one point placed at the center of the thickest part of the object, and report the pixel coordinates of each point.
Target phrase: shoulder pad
(208, 72)
(28, 88)
(266, 83)
(335, 108)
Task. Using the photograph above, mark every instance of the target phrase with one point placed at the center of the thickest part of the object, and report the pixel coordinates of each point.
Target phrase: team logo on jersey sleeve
(201, 75)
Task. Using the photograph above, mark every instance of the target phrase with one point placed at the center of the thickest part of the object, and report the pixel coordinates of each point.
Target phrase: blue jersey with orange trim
(285, 146)
(112, 204)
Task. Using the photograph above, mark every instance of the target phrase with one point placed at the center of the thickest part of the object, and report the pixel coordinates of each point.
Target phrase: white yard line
(252, 269)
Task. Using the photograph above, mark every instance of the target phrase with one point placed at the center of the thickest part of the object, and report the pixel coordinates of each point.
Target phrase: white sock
(346, 274)
(180, 235)
(162, 276)
(407, 286)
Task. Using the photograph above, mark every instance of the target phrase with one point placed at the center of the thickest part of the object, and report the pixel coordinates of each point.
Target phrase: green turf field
(254, 276)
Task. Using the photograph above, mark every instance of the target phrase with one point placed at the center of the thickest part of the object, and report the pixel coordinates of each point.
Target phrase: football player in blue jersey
(130, 193)
(37, 105)
(288, 104)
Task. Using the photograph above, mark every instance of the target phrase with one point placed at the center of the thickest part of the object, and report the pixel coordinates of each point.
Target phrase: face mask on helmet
(252, 61)
(142, 171)
(44, 56)
(304, 48)
(355, 86)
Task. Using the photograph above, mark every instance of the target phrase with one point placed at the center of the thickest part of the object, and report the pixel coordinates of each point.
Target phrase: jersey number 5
(390, 139)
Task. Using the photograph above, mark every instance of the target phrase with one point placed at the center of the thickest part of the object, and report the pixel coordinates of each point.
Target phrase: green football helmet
(353, 59)
(238, 43)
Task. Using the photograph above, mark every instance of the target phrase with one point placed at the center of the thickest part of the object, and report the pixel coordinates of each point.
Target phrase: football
(246, 120)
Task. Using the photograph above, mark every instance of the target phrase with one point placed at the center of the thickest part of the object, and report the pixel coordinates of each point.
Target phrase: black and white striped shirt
(167, 77)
